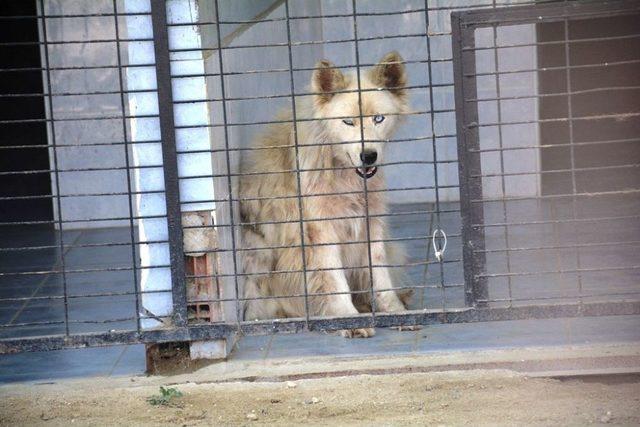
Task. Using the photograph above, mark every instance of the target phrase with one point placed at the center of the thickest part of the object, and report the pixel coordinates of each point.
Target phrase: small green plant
(165, 397)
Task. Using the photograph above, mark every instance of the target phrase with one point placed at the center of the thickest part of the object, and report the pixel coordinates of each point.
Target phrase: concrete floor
(444, 288)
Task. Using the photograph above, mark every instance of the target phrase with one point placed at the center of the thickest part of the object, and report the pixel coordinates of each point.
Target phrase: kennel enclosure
(522, 146)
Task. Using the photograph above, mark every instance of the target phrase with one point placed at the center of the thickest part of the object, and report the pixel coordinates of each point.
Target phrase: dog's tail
(396, 255)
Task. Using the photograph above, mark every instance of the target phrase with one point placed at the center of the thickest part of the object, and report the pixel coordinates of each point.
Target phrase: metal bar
(292, 18)
(79, 245)
(72, 296)
(620, 116)
(360, 267)
(350, 292)
(287, 171)
(596, 142)
(333, 193)
(347, 15)
(64, 42)
(559, 94)
(170, 161)
(127, 163)
(503, 184)
(80, 270)
(633, 294)
(76, 119)
(70, 221)
(364, 179)
(468, 164)
(239, 313)
(305, 278)
(628, 296)
(550, 43)
(274, 147)
(208, 226)
(268, 122)
(555, 246)
(70, 15)
(252, 223)
(610, 295)
(353, 242)
(71, 68)
(197, 299)
(571, 220)
(84, 144)
(434, 151)
(285, 70)
(558, 196)
(64, 94)
(305, 43)
(561, 271)
(221, 331)
(571, 169)
(550, 12)
(288, 95)
(556, 68)
(567, 59)
(52, 134)
(28, 172)
(51, 196)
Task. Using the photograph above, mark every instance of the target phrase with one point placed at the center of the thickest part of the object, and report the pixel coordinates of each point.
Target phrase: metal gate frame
(463, 25)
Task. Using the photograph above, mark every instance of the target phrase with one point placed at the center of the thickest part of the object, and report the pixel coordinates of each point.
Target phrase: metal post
(474, 259)
(170, 161)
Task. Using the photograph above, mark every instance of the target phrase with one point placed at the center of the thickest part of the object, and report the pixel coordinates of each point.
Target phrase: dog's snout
(369, 157)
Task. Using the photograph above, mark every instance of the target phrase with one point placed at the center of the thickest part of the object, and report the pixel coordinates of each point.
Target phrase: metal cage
(517, 247)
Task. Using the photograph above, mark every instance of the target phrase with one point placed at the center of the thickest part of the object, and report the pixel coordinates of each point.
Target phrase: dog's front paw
(358, 333)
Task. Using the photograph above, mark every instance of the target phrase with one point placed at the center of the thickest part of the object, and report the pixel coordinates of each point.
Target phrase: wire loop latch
(437, 250)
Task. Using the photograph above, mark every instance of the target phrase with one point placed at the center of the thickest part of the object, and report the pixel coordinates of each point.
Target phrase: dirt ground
(452, 398)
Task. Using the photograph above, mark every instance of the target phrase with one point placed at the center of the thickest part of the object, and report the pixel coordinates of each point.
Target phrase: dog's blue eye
(378, 119)
(348, 122)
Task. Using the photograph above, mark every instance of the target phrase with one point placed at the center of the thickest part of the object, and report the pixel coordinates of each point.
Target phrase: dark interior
(20, 73)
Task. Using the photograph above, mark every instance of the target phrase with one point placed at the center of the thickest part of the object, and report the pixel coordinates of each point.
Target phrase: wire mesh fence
(551, 154)
(71, 162)
(438, 285)
(183, 206)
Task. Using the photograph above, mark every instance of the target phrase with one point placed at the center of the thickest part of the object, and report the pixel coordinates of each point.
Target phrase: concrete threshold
(559, 361)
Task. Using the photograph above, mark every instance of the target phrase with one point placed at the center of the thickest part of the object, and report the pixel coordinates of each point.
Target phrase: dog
(325, 146)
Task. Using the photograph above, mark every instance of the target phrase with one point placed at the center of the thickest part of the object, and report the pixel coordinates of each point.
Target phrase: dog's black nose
(369, 157)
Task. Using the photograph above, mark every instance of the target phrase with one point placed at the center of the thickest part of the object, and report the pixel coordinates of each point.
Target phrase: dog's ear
(325, 80)
(390, 73)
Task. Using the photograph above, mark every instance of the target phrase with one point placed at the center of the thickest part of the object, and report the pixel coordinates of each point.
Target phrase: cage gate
(507, 151)
(524, 223)
(483, 298)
